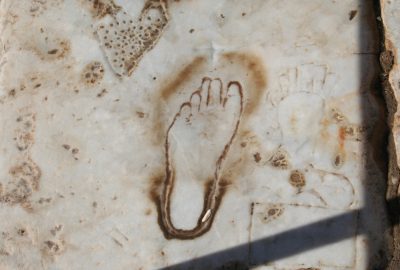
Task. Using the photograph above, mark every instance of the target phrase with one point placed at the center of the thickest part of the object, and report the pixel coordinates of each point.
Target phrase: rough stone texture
(390, 19)
(243, 134)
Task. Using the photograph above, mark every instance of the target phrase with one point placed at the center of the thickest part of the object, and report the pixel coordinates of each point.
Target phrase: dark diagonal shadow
(285, 244)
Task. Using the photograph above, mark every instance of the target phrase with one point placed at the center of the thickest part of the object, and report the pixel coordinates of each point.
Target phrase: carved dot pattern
(125, 41)
(93, 73)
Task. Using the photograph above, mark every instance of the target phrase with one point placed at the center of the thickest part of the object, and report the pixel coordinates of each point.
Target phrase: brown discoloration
(59, 49)
(102, 93)
(66, 146)
(169, 88)
(28, 170)
(53, 247)
(341, 145)
(43, 200)
(257, 157)
(155, 185)
(25, 180)
(22, 232)
(340, 155)
(352, 14)
(186, 74)
(92, 74)
(158, 126)
(38, 7)
(339, 158)
(62, 51)
(54, 51)
(25, 174)
(280, 159)
(140, 114)
(271, 213)
(252, 209)
(341, 137)
(12, 93)
(297, 179)
(56, 230)
(101, 8)
(257, 78)
(24, 140)
(354, 132)
(337, 116)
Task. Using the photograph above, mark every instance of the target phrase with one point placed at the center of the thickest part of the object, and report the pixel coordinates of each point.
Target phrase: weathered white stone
(234, 108)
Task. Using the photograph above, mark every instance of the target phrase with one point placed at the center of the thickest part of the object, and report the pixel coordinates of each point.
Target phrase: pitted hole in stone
(297, 179)
(93, 73)
(24, 140)
(339, 159)
(24, 181)
(27, 171)
(270, 213)
(280, 159)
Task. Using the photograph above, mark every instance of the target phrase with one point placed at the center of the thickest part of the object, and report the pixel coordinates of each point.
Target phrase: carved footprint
(196, 145)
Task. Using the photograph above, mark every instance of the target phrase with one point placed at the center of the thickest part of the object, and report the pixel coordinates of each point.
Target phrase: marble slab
(187, 134)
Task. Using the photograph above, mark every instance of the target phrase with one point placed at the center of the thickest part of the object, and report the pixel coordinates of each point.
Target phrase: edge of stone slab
(389, 62)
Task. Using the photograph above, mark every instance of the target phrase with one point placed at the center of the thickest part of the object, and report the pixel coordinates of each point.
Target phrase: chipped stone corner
(390, 83)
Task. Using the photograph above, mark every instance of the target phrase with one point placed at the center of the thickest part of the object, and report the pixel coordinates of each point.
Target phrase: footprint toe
(234, 97)
(195, 101)
(214, 93)
(185, 110)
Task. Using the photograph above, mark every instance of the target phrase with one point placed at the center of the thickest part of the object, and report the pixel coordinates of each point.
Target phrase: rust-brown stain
(61, 50)
(25, 174)
(168, 89)
(324, 134)
(340, 156)
(187, 73)
(341, 137)
(101, 8)
(257, 157)
(297, 179)
(257, 78)
(92, 73)
(352, 14)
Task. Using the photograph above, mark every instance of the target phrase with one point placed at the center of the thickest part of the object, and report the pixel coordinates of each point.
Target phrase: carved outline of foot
(215, 189)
